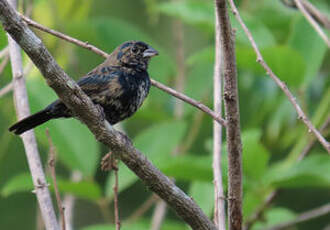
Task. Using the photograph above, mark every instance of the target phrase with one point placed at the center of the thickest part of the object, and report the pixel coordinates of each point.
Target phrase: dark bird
(119, 85)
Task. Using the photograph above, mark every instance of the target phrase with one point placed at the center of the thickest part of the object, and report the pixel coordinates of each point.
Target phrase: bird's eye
(135, 50)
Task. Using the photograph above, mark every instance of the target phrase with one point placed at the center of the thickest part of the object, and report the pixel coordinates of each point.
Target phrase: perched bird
(119, 85)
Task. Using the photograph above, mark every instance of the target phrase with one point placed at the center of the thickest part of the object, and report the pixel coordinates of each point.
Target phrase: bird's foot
(108, 162)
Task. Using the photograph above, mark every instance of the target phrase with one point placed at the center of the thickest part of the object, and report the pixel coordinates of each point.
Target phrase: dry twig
(281, 84)
(219, 202)
(115, 199)
(51, 164)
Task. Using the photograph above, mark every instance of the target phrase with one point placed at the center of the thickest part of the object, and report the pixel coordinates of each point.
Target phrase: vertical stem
(115, 191)
(233, 132)
(29, 140)
(219, 203)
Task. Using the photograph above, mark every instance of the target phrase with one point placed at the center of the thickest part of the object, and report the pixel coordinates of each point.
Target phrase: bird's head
(134, 54)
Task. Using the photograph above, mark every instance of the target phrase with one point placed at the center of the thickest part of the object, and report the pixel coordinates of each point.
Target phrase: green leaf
(200, 13)
(262, 35)
(313, 171)
(203, 194)
(286, 63)
(188, 167)
(305, 40)
(255, 156)
(75, 144)
(159, 141)
(82, 189)
(125, 179)
(18, 183)
(274, 216)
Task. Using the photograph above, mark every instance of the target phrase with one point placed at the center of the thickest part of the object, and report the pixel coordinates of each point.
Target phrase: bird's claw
(108, 163)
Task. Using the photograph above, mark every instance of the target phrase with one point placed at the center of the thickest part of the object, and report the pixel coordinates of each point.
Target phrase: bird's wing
(102, 84)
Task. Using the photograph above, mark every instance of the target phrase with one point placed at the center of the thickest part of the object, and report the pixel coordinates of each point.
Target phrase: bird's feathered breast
(120, 91)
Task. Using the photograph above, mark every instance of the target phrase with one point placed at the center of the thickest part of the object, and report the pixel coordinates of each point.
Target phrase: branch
(155, 83)
(313, 23)
(305, 216)
(219, 201)
(281, 84)
(311, 143)
(233, 132)
(29, 140)
(84, 109)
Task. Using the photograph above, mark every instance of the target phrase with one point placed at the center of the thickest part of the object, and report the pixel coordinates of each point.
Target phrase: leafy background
(272, 135)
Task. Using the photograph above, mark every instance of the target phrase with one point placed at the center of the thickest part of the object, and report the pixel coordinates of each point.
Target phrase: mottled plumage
(119, 85)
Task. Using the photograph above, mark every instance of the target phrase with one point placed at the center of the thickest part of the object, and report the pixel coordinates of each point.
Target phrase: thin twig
(281, 84)
(142, 209)
(84, 109)
(191, 101)
(313, 23)
(258, 214)
(158, 215)
(86, 45)
(4, 52)
(4, 63)
(303, 217)
(51, 164)
(219, 203)
(233, 129)
(29, 140)
(9, 86)
(311, 143)
(6, 89)
(321, 18)
(115, 195)
(69, 202)
(155, 83)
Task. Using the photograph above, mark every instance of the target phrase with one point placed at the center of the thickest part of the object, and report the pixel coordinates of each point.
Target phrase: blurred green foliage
(273, 137)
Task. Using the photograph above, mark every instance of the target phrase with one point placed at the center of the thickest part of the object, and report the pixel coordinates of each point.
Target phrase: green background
(273, 137)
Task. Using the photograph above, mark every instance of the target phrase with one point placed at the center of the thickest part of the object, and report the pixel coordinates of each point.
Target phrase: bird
(118, 86)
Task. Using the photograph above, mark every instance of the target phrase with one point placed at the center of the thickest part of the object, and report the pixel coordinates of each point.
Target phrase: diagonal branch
(29, 140)
(281, 84)
(155, 83)
(84, 109)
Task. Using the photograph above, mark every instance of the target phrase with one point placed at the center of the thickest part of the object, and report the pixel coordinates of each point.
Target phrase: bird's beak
(150, 52)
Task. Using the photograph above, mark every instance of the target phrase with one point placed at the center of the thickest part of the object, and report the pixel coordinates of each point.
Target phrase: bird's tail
(31, 122)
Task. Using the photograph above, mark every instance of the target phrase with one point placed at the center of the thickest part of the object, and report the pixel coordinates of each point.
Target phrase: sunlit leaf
(202, 193)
